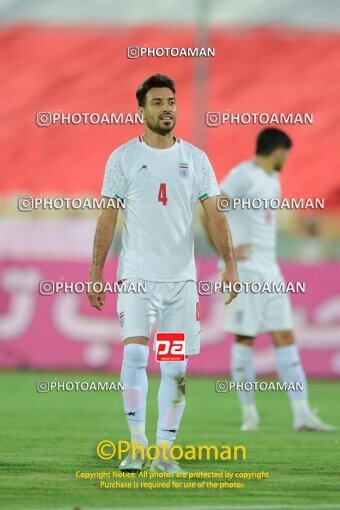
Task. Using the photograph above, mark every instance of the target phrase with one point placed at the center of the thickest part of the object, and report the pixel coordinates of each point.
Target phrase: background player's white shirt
(254, 226)
(161, 188)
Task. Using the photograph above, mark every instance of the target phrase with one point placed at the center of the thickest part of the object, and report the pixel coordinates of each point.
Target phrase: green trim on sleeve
(202, 197)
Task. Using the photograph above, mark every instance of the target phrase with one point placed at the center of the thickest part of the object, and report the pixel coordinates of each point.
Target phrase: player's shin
(242, 371)
(134, 378)
(171, 403)
(290, 370)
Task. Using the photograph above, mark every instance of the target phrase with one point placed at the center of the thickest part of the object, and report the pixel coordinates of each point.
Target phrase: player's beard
(278, 165)
(161, 128)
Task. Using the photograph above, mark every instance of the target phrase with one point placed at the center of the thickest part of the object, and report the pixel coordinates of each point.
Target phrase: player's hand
(230, 276)
(95, 295)
(242, 251)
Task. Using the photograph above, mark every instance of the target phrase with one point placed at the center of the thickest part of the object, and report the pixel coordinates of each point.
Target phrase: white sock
(289, 370)
(134, 378)
(171, 401)
(242, 370)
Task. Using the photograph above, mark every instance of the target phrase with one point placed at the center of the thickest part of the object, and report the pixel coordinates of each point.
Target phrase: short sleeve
(234, 184)
(208, 186)
(114, 182)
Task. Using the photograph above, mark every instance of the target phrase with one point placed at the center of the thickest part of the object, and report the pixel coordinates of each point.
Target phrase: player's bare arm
(203, 218)
(103, 238)
(219, 233)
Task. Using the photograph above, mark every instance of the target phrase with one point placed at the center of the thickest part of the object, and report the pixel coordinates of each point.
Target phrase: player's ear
(140, 111)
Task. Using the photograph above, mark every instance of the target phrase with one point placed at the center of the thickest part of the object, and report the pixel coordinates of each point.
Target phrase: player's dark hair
(157, 80)
(270, 139)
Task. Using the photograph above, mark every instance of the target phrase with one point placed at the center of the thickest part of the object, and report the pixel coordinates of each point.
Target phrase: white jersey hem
(158, 279)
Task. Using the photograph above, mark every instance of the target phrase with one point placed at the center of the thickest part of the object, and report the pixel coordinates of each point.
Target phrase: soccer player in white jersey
(254, 238)
(160, 179)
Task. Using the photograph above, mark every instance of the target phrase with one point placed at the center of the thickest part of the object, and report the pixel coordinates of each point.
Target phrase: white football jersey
(160, 188)
(256, 226)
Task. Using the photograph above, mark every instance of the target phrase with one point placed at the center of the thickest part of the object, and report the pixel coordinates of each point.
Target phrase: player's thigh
(244, 315)
(278, 318)
(136, 311)
(180, 313)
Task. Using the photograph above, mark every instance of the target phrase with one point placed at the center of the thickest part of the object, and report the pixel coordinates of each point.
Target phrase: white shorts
(173, 305)
(253, 313)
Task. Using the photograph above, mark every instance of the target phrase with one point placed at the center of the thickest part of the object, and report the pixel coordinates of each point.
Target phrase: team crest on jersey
(184, 170)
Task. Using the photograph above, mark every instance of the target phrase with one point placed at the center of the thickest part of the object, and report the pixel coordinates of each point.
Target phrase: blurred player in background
(160, 178)
(254, 238)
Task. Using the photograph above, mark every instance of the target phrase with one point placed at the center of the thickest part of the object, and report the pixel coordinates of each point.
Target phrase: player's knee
(174, 372)
(283, 338)
(244, 340)
(136, 355)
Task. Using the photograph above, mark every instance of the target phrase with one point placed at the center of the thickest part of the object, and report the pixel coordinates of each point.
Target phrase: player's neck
(265, 163)
(157, 141)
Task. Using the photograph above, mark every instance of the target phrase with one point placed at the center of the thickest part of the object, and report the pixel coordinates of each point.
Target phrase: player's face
(280, 158)
(160, 110)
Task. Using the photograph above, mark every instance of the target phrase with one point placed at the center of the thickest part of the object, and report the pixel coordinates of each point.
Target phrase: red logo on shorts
(197, 311)
(170, 346)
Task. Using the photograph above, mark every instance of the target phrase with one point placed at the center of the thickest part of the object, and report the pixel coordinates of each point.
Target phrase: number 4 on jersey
(162, 194)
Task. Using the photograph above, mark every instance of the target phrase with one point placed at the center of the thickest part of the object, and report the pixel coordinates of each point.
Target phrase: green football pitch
(45, 438)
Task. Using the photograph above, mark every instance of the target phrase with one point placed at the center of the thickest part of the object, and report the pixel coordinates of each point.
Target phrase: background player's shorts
(253, 313)
(173, 305)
